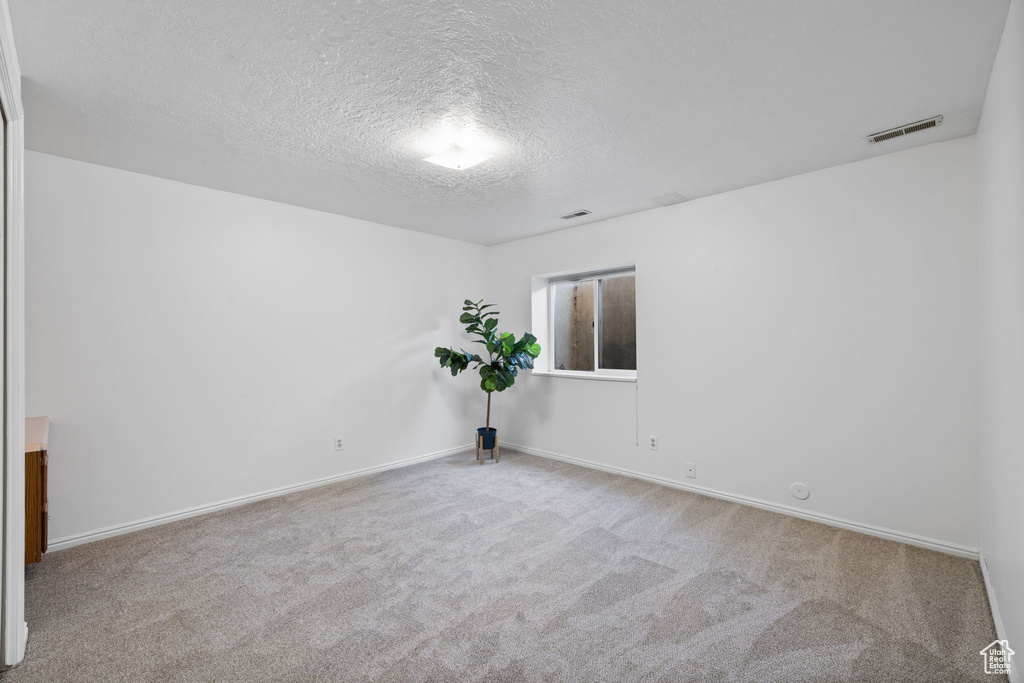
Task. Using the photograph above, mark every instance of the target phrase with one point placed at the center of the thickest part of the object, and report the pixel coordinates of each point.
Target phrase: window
(589, 323)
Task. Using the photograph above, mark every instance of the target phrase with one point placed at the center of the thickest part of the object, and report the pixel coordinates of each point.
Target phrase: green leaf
(507, 355)
(523, 344)
(520, 360)
(504, 379)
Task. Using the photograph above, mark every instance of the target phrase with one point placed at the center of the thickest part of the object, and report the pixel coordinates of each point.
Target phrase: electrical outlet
(654, 443)
(691, 470)
(338, 446)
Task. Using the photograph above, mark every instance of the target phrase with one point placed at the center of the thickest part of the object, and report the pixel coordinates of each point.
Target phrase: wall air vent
(905, 130)
(575, 214)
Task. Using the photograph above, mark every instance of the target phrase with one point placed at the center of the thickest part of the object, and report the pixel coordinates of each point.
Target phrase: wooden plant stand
(495, 452)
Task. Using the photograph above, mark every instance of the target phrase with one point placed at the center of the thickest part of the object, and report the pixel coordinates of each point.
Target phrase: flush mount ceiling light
(458, 158)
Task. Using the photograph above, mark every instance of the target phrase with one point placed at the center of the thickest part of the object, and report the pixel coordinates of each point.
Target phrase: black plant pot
(486, 438)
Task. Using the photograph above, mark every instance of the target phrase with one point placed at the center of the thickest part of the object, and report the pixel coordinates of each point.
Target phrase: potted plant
(505, 357)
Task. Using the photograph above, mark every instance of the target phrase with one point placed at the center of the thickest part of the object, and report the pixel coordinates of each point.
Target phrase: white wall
(1001, 266)
(193, 346)
(817, 329)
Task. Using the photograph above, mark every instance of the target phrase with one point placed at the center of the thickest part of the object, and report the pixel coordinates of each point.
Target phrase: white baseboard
(118, 529)
(870, 530)
(1000, 632)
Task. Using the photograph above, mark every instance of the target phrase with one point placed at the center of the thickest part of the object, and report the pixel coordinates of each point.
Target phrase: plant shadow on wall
(506, 356)
(408, 340)
(429, 415)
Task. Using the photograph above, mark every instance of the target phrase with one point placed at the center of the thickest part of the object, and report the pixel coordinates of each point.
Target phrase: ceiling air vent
(575, 214)
(905, 130)
(669, 199)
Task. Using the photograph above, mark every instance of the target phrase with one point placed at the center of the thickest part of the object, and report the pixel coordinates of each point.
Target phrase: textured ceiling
(586, 104)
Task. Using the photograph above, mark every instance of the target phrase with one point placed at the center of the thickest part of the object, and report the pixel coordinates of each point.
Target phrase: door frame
(13, 629)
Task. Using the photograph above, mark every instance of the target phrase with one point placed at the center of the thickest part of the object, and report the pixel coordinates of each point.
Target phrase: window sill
(592, 376)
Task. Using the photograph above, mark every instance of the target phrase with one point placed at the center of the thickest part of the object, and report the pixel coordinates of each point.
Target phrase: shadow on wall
(465, 400)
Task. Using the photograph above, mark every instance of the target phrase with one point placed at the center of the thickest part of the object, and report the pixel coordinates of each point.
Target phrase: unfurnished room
(417, 341)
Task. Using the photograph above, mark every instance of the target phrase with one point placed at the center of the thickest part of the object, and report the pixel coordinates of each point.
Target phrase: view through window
(594, 322)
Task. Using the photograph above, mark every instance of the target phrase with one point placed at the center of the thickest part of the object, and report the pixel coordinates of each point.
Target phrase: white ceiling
(587, 104)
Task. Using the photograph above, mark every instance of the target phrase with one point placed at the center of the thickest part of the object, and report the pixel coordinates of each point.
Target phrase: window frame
(544, 322)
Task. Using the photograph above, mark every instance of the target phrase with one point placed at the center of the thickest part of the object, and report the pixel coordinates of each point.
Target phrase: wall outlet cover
(800, 491)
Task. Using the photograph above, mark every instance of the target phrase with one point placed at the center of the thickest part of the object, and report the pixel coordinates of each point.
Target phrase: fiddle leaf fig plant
(506, 355)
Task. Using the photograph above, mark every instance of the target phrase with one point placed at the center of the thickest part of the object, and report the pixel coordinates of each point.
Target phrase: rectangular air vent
(575, 214)
(669, 199)
(905, 130)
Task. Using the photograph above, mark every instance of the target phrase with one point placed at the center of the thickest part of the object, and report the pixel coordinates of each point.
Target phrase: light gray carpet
(527, 570)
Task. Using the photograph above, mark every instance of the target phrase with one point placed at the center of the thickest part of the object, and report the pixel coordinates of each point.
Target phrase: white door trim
(13, 629)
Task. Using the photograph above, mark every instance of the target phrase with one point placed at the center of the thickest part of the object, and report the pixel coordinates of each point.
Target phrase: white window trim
(588, 375)
(542, 311)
